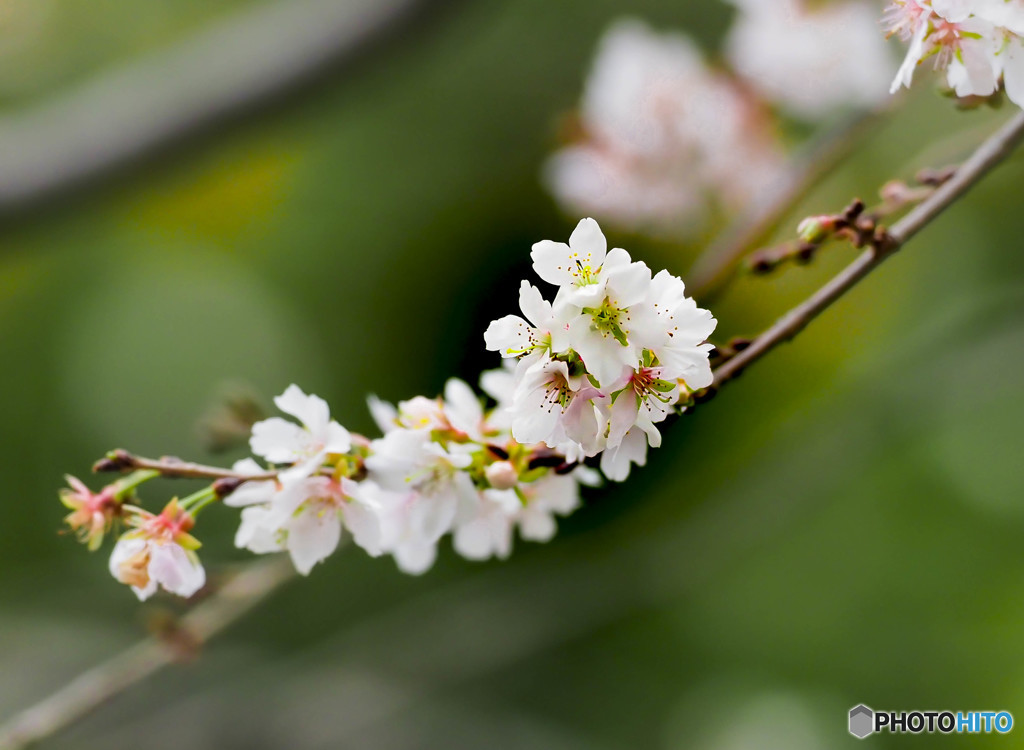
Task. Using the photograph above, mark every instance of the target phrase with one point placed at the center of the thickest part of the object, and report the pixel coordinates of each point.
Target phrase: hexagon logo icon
(862, 721)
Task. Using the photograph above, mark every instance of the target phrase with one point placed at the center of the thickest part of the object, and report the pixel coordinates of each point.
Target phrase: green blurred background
(842, 525)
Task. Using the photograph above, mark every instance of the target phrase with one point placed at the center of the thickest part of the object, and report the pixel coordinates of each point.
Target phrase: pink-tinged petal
(312, 536)
(588, 243)
(510, 336)
(338, 439)
(552, 261)
(175, 570)
(536, 309)
(278, 440)
(623, 416)
(311, 410)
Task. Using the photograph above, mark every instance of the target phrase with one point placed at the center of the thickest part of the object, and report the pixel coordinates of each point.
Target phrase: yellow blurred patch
(238, 195)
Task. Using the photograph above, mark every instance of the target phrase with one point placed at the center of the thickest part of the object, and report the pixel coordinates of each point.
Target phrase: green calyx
(605, 319)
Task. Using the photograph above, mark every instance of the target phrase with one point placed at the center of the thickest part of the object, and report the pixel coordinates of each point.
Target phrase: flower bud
(815, 229)
(502, 475)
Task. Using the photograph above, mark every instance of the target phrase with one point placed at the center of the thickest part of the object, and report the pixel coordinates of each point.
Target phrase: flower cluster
(608, 359)
(590, 373)
(976, 42)
(663, 138)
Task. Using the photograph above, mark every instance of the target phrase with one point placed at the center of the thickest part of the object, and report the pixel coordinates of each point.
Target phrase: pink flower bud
(502, 475)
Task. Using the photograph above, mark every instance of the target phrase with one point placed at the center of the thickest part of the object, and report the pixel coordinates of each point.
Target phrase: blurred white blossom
(813, 59)
(665, 138)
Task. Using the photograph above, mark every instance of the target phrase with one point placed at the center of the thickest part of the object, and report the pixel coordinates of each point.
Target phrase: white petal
(278, 440)
(415, 557)
(247, 466)
(384, 414)
(252, 493)
(628, 285)
(1013, 71)
(364, 523)
(462, 407)
(510, 336)
(311, 410)
(312, 536)
(536, 309)
(258, 531)
(537, 525)
(552, 262)
(337, 439)
(615, 462)
(589, 242)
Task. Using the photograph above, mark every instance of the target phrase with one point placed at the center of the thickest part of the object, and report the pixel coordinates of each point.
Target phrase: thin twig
(988, 155)
(227, 69)
(174, 468)
(252, 585)
(717, 265)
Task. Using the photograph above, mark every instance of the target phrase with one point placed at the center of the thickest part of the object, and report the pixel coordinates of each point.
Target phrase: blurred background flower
(193, 194)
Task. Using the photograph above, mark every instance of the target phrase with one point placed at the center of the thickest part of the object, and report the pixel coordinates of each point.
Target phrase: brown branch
(984, 159)
(717, 265)
(247, 589)
(171, 467)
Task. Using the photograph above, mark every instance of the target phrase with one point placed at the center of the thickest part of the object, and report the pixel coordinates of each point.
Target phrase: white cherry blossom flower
(681, 341)
(305, 517)
(541, 332)
(145, 564)
(430, 477)
(645, 400)
(305, 447)
(159, 552)
(553, 406)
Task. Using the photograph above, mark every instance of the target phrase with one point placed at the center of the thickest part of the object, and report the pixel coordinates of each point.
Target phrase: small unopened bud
(118, 460)
(498, 451)
(502, 475)
(815, 229)
(226, 485)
